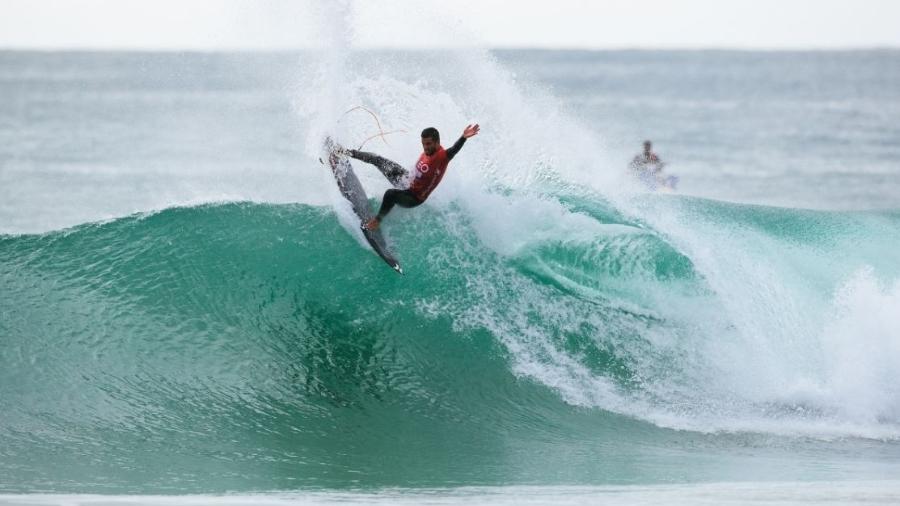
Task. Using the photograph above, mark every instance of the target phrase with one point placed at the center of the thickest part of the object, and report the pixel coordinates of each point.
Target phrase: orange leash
(381, 133)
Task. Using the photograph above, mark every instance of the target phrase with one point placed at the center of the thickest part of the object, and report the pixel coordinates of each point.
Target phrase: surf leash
(381, 133)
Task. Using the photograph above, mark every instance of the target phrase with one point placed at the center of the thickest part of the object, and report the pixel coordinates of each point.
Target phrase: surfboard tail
(353, 191)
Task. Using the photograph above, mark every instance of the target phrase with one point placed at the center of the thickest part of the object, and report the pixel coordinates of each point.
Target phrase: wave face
(261, 346)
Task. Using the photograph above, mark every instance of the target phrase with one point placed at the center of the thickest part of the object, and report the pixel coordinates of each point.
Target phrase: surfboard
(353, 191)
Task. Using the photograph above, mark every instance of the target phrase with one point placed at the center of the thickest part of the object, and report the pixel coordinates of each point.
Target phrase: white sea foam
(749, 493)
(758, 352)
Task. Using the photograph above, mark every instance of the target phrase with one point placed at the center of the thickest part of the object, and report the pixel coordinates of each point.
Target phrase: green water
(262, 347)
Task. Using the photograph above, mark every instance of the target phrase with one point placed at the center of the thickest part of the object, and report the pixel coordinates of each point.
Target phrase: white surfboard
(352, 190)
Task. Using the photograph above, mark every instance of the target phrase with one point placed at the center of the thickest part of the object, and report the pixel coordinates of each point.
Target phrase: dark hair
(431, 133)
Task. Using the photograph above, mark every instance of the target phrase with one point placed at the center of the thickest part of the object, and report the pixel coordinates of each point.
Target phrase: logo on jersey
(423, 168)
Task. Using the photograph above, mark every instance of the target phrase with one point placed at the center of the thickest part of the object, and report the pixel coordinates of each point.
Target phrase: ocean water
(189, 315)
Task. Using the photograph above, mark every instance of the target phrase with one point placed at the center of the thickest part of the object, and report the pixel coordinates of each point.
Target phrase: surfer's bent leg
(391, 169)
(402, 198)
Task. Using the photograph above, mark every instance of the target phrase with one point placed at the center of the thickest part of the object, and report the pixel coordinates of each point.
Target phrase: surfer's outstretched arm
(470, 131)
(452, 150)
(391, 169)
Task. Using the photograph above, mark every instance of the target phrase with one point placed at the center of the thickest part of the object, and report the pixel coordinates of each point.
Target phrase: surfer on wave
(648, 168)
(430, 167)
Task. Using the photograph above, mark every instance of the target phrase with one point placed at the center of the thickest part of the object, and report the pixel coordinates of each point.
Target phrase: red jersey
(429, 172)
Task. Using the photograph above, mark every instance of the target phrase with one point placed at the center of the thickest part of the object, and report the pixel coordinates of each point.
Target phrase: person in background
(648, 167)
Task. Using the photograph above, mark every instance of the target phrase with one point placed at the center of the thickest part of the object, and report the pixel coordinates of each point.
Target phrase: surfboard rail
(352, 190)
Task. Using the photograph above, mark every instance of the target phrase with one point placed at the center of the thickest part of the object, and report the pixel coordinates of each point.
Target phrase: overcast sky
(279, 24)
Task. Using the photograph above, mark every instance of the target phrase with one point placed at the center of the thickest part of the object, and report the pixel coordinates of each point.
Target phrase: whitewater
(189, 313)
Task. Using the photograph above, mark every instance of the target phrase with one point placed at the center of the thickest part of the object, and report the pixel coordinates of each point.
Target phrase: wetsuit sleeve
(455, 148)
(365, 156)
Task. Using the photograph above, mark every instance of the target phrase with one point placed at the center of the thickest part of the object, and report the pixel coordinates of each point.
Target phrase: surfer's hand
(471, 131)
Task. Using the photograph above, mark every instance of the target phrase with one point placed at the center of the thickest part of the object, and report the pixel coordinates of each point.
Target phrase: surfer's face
(429, 145)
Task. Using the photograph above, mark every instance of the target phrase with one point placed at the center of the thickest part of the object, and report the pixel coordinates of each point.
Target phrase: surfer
(648, 168)
(429, 170)
(647, 162)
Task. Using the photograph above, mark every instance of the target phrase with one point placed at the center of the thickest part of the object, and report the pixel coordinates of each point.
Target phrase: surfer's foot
(372, 224)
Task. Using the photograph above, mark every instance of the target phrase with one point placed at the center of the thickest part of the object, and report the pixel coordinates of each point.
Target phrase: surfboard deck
(353, 191)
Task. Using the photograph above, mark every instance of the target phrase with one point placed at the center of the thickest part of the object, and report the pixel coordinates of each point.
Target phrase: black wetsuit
(399, 195)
